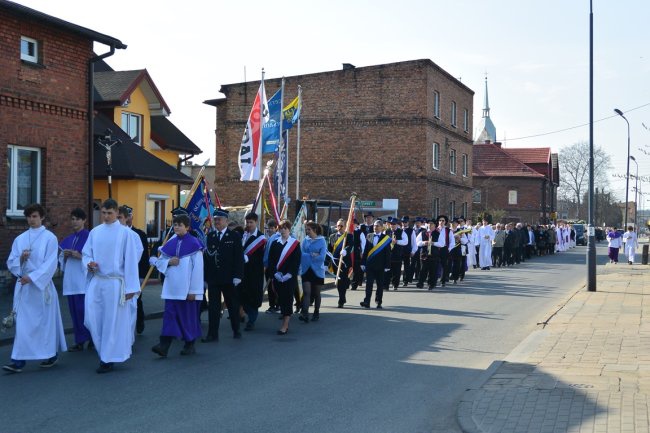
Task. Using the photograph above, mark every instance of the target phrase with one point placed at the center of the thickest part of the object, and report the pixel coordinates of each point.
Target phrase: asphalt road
(400, 369)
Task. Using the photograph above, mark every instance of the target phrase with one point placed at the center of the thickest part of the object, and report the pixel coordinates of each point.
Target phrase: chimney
(348, 66)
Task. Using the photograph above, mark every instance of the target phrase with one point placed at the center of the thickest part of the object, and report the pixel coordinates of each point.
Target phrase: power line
(573, 127)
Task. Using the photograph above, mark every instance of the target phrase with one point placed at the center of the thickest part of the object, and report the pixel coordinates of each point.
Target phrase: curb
(464, 413)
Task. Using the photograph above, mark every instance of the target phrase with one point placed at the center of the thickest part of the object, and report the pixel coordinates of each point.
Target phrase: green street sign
(366, 203)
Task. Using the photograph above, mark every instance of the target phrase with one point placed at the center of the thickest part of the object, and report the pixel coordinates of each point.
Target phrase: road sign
(366, 203)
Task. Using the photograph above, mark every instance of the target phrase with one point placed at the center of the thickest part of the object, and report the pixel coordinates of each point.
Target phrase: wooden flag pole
(197, 181)
(353, 199)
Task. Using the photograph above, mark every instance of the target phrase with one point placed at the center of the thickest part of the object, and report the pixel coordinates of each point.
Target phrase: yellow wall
(138, 105)
(134, 193)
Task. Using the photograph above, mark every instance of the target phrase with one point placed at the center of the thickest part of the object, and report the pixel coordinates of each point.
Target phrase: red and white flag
(250, 153)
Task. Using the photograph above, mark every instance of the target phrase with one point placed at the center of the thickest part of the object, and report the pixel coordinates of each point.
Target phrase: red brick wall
(528, 209)
(368, 130)
(44, 106)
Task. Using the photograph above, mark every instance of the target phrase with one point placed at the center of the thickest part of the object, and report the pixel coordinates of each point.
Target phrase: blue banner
(200, 210)
(271, 129)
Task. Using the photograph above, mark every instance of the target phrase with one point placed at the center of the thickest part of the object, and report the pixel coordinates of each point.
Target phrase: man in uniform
(399, 242)
(224, 270)
(409, 250)
(375, 263)
(336, 241)
(143, 264)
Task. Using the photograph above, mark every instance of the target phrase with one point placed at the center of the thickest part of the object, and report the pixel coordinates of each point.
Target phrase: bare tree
(574, 171)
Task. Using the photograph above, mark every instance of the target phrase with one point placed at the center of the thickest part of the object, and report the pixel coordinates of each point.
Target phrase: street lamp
(627, 174)
(636, 191)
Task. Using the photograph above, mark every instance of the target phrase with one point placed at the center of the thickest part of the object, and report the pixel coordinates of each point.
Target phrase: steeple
(487, 130)
(486, 104)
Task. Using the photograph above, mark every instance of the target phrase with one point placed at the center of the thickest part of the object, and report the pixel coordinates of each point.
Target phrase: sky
(535, 54)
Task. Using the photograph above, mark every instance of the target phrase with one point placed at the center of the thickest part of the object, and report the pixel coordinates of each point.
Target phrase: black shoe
(13, 368)
(281, 332)
(209, 339)
(443, 284)
(405, 283)
(432, 287)
(341, 305)
(236, 335)
(104, 367)
(379, 307)
(249, 326)
(49, 363)
(419, 286)
(139, 326)
(76, 348)
(159, 350)
(315, 317)
(188, 349)
(303, 318)
(364, 304)
(353, 287)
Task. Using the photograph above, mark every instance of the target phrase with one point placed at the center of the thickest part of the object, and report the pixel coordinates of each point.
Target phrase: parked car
(581, 239)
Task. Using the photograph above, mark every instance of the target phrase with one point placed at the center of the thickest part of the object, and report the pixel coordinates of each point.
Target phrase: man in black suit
(252, 287)
(143, 265)
(224, 269)
(376, 263)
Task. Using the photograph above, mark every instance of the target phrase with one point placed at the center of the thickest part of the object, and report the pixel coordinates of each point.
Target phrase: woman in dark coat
(284, 265)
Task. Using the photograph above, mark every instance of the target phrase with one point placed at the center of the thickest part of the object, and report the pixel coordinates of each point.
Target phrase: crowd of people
(234, 267)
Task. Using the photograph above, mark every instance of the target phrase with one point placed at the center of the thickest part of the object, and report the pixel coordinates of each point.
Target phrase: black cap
(180, 210)
(369, 214)
(218, 212)
(405, 219)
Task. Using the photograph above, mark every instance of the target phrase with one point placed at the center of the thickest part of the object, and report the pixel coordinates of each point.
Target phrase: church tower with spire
(488, 131)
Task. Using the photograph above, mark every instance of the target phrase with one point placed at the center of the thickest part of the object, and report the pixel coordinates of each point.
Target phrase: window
(465, 165)
(154, 215)
(28, 49)
(436, 208)
(465, 209)
(453, 114)
(465, 120)
(452, 161)
(512, 197)
(23, 178)
(452, 209)
(436, 104)
(436, 156)
(132, 125)
(476, 196)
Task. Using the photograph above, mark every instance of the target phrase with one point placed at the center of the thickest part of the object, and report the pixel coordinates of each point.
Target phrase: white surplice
(184, 279)
(486, 236)
(471, 247)
(74, 277)
(39, 329)
(108, 314)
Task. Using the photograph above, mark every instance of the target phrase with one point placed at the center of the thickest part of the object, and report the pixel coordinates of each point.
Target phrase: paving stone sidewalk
(586, 370)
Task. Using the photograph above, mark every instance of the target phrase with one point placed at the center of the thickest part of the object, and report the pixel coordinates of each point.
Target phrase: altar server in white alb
(33, 261)
(110, 258)
(486, 236)
(631, 244)
(74, 277)
(181, 260)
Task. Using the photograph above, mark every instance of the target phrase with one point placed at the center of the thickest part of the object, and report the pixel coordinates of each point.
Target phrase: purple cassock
(74, 283)
(181, 318)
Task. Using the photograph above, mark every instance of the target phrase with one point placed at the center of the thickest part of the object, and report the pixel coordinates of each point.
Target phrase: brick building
(515, 185)
(398, 131)
(44, 123)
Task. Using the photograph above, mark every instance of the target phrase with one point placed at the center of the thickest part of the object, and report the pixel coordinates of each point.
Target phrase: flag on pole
(298, 227)
(200, 210)
(291, 113)
(281, 168)
(250, 153)
(271, 129)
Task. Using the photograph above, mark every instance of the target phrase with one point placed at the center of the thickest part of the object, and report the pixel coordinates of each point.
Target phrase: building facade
(394, 131)
(44, 122)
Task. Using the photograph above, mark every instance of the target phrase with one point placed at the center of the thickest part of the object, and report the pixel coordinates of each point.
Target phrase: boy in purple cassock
(74, 277)
(181, 260)
(614, 240)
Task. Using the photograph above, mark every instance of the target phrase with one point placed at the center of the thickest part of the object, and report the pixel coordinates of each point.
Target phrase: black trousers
(395, 272)
(415, 266)
(373, 277)
(457, 264)
(231, 297)
(343, 285)
(497, 256)
(407, 276)
(357, 275)
(429, 271)
(272, 293)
